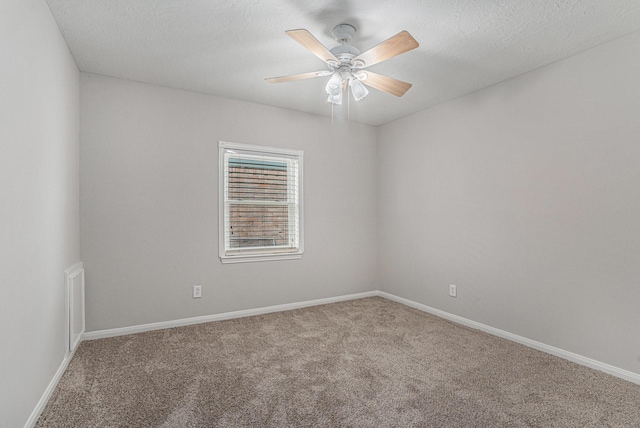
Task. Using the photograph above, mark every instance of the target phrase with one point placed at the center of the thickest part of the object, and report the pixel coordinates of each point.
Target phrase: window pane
(258, 225)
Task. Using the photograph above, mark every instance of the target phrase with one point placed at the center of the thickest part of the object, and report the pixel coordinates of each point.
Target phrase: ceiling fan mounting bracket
(343, 33)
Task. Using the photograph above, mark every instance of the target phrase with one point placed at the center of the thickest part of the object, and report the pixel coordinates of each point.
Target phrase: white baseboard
(42, 403)
(579, 359)
(100, 334)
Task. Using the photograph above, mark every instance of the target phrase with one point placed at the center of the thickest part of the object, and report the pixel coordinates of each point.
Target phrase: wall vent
(74, 282)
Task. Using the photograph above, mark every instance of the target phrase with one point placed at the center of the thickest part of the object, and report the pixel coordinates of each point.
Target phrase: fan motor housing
(345, 53)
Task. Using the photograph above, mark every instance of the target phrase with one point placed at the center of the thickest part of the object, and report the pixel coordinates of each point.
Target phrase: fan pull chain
(331, 114)
(348, 105)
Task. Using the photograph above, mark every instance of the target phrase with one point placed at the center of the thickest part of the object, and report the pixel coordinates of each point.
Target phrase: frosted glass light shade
(335, 99)
(358, 89)
(334, 85)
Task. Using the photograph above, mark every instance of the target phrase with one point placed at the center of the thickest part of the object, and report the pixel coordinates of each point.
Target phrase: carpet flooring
(361, 363)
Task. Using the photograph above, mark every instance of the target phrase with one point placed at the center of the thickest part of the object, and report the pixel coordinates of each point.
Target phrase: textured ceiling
(227, 48)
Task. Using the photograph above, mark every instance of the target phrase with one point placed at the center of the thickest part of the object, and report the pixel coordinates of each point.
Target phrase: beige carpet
(361, 363)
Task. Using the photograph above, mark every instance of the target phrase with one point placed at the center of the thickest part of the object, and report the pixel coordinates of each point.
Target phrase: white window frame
(262, 253)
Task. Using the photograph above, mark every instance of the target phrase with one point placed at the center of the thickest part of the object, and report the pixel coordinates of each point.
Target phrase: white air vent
(74, 281)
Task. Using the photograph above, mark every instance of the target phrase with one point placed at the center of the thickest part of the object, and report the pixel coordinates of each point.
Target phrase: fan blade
(307, 40)
(396, 45)
(385, 84)
(298, 76)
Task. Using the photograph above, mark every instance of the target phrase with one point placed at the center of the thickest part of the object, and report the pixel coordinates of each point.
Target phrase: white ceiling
(227, 48)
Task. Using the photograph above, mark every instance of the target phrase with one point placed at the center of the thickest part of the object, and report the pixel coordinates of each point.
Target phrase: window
(260, 203)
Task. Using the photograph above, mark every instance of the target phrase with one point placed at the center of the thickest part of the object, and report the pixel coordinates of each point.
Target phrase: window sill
(248, 258)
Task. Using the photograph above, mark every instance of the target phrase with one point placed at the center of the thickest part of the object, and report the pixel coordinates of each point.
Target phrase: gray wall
(526, 195)
(149, 204)
(39, 203)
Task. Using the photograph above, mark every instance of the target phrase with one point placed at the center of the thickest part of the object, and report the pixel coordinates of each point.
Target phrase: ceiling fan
(346, 64)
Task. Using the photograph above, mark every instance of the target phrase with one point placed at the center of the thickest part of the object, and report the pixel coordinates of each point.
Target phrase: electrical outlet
(453, 290)
(197, 291)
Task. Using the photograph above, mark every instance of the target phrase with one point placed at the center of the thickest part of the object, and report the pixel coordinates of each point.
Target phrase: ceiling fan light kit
(345, 63)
